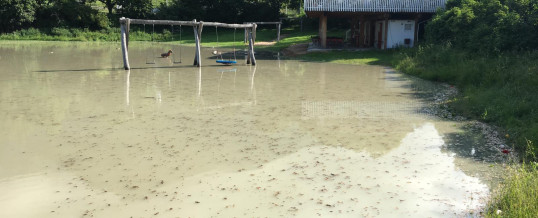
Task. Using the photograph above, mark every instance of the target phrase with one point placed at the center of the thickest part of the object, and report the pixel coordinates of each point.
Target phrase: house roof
(375, 6)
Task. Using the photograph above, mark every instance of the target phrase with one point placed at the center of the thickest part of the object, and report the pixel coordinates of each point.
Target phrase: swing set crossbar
(186, 23)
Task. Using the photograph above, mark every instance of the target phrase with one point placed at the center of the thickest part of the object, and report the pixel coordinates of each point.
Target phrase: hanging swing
(221, 60)
(150, 60)
(177, 60)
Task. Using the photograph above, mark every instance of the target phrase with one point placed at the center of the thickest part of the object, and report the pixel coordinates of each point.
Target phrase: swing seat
(227, 62)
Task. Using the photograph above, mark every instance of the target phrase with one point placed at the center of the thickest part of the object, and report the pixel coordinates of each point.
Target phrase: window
(407, 27)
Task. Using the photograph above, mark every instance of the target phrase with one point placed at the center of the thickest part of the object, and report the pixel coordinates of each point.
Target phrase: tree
(135, 8)
(110, 4)
(15, 14)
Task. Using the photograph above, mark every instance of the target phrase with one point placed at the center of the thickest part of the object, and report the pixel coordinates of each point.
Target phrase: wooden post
(200, 27)
(249, 30)
(254, 32)
(128, 23)
(323, 30)
(278, 32)
(417, 18)
(386, 30)
(197, 57)
(251, 47)
(124, 50)
(361, 32)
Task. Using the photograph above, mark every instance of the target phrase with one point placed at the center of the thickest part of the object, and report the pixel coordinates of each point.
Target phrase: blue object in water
(226, 62)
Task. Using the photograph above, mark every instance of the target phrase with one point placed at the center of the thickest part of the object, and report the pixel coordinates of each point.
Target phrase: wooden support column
(128, 25)
(197, 58)
(124, 49)
(278, 26)
(362, 25)
(417, 18)
(254, 33)
(323, 30)
(386, 31)
(251, 47)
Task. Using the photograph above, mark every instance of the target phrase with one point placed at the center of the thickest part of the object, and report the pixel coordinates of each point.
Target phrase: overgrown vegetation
(496, 88)
(518, 195)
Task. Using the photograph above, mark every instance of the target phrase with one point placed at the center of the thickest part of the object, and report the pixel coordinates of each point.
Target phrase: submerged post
(124, 38)
(197, 58)
(251, 58)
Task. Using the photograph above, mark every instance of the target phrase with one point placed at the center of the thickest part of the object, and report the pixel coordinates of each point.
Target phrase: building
(381, 24)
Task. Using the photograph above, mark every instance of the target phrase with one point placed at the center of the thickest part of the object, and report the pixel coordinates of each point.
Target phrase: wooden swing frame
(197, 27)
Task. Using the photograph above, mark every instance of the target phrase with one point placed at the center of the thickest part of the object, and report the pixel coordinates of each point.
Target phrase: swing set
(197, 27)
(221, 60)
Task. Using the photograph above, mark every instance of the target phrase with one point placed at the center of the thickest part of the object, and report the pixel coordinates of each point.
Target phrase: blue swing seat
(227, 62)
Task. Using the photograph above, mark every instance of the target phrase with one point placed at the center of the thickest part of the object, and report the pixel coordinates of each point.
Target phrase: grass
(370, 57)
(518, 194)
(499, 89)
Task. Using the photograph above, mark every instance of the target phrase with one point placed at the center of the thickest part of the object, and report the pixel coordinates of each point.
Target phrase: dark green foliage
(487, 25)
(15, 14)
(137, 9)
(229, 11)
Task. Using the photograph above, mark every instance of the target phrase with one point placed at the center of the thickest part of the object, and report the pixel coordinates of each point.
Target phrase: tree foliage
(487, 25)
(231, 11)
(49, 14)
(15, 14)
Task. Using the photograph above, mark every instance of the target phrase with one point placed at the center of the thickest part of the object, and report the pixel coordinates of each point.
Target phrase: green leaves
(487, 25)
(15, 14)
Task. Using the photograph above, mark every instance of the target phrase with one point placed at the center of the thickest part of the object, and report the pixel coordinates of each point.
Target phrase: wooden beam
(248, 31)
(386, 30)
(197, 61)
(417, 18)
(188, 23)
(254, 32)
(362, 25)
(323, 31)
(124, 47)
(128, 25)
(200, 28)
(251, 48)
(265, 23)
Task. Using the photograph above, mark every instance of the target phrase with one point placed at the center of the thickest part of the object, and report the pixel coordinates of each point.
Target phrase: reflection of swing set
(252, 90)
(197, 26)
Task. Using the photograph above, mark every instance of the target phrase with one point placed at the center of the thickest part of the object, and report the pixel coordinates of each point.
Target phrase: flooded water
(81, 137)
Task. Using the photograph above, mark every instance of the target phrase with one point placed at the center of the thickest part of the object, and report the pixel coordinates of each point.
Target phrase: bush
(487, 25)
(61, 32)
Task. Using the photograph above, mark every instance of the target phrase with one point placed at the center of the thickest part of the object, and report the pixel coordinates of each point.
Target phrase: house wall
(398, 33)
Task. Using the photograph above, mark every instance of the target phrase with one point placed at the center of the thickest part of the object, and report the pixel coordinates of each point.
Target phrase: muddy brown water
(81, 137)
